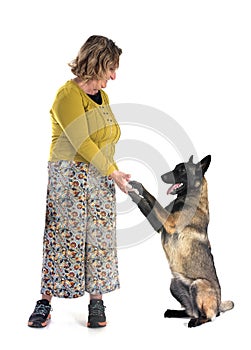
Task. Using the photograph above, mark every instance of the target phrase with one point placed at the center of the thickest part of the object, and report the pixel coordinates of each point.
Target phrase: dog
(183, 226)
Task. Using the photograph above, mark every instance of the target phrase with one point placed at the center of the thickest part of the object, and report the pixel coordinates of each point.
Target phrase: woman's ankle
(46, 297)
(96, 296)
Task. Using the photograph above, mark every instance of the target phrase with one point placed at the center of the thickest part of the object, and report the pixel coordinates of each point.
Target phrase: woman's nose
(113, 76)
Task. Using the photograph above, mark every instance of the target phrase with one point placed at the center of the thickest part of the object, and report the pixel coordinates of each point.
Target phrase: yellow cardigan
(83, 130)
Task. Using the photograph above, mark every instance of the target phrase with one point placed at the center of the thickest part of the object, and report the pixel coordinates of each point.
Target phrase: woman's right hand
(121, 179)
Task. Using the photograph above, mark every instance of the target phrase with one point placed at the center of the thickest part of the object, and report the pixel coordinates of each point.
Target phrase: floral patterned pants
(79, 246)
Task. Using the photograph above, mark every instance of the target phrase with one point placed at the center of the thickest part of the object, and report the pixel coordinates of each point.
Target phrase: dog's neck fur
(200, 198)
(197, 198)
(204, 197)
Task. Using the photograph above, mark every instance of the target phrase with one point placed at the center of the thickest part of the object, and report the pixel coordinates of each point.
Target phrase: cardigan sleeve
(69, 113)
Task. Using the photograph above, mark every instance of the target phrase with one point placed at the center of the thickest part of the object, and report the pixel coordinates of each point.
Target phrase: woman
(79, 247)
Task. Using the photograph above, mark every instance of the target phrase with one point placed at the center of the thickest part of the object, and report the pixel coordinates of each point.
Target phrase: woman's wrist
(114, 174)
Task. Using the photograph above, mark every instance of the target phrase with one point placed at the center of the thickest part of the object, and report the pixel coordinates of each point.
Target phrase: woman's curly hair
(95, 57)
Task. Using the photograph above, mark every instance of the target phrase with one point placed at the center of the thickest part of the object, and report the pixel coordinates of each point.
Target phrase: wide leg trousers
(79, 245)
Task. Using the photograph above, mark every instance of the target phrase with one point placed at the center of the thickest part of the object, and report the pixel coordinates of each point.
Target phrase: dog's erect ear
(190, 159)
(204, 164)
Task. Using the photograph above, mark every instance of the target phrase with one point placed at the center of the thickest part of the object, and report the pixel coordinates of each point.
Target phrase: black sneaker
(41, 314)
(96, 316)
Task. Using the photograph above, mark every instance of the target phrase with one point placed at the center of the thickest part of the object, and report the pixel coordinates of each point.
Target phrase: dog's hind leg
(180, 292)
(205, 298)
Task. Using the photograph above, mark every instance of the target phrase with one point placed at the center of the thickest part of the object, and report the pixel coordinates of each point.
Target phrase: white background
(190, 59)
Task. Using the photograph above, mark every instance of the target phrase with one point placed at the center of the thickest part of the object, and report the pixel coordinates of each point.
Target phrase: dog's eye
(183, 170)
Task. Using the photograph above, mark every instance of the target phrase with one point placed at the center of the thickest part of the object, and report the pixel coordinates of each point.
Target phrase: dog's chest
(176, 205)
(178, 246)
(172, 244)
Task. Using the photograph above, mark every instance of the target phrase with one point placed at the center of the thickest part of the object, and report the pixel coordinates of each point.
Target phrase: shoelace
(97, 310)
(42, 309)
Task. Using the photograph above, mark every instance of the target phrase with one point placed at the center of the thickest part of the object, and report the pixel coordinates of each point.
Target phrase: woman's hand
(121, 179)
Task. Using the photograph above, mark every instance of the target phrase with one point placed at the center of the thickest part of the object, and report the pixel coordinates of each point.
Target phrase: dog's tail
(226, 305)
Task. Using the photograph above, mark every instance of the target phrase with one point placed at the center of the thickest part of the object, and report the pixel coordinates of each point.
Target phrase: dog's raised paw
(131, 190)
(136, 187)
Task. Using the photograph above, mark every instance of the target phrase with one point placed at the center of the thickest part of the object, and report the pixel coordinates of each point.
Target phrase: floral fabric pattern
(79, 250)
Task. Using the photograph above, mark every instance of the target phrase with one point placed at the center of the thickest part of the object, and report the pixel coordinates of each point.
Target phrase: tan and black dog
(183, 227)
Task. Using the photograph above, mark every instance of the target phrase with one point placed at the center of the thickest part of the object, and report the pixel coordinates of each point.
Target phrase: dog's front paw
(137, 186)
(134, 196)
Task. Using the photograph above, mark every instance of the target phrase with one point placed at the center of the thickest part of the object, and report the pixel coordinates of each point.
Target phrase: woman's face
(96, 85)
